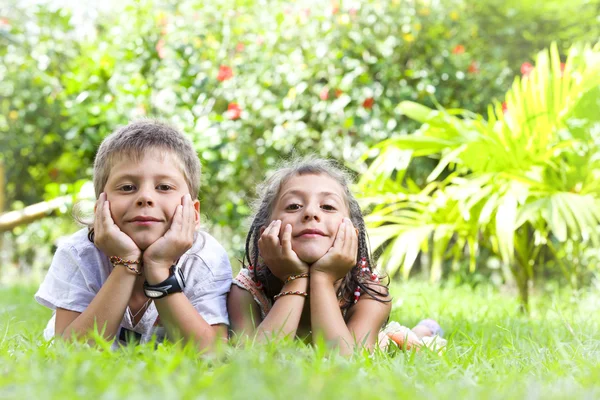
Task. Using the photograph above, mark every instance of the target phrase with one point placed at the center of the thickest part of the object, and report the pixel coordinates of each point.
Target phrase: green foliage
(523, 181)
(493, 353)
(251, 81)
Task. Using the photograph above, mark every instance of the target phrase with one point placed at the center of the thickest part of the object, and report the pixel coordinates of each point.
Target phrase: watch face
(154, 294)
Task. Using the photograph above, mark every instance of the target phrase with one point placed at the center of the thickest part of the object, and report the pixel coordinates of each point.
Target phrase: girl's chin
(310, 257)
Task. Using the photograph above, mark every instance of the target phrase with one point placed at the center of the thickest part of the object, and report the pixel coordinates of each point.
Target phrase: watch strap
(173, 284)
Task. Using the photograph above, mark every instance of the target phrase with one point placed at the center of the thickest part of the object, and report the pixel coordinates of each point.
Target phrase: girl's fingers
(275, 231)
(266, 230)
(340, 237)
(286, 239)
(350, 236)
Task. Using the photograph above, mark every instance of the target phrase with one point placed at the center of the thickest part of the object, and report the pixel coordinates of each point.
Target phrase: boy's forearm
(182, 320)
(106, 309)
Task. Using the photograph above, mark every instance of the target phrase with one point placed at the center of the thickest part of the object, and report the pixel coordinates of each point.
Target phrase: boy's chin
(144, 242)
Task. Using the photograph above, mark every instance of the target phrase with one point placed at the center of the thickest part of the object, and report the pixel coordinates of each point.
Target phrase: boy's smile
(315, 206)
(144, 195)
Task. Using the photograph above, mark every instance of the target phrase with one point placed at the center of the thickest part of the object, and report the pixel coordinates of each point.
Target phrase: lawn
(493, 352)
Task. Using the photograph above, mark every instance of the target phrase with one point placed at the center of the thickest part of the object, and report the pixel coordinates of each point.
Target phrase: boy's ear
(197, 212)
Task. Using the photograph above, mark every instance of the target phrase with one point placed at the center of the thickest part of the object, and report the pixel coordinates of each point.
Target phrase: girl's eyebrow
(297, 192)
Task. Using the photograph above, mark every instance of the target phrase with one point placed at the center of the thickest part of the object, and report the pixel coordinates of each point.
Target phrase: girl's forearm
(106, 309)
(325, 313)
(284, 317)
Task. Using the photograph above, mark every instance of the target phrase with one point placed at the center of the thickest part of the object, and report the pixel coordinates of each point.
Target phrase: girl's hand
(107, 235)
(278, 255)
(341, 257)
(178, 239)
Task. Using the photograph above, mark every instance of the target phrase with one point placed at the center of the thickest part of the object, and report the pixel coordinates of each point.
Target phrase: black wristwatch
(173, 284)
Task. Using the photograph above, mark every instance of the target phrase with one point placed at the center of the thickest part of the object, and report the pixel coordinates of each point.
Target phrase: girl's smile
(315, 206)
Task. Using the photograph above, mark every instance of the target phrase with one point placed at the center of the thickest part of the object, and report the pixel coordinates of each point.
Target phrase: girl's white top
(79, 269)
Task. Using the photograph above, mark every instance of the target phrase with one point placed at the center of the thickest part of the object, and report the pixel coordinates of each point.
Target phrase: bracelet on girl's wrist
(133, 266)
(294, 277)
(290, 292)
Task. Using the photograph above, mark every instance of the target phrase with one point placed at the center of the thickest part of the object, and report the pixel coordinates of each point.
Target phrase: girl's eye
(164, 187)
(127, 188)
(328, 207)
(293, 207)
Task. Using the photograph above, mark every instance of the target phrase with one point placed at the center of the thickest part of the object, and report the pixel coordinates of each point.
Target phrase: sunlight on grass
(493, 352)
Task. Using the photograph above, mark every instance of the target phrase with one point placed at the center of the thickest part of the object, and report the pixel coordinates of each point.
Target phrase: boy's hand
(341, 257)
(107, 235)
(278, 255)
(178, 239)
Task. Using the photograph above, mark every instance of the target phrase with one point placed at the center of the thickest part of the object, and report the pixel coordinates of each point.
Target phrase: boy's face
(143, 196)
(315, 206)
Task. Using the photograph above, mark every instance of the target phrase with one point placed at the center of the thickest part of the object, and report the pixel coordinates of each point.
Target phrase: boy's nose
(144, 199)
(144, 202)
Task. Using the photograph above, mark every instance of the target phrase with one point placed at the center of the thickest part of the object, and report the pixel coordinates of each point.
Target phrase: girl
(307, 267)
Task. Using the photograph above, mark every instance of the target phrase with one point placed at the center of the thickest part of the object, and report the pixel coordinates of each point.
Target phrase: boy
(141, 265)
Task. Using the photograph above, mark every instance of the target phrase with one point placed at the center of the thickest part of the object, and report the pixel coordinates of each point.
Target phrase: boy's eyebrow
(133, 176)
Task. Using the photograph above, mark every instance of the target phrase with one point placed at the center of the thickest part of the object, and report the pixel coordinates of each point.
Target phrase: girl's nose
(311, 212)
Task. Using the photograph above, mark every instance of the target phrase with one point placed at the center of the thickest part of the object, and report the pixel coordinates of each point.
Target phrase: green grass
(493, 353)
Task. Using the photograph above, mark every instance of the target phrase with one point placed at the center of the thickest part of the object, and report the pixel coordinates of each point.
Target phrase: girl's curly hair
(268, 193)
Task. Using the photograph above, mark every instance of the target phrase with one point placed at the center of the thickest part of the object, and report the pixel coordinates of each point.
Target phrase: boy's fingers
(177, 222)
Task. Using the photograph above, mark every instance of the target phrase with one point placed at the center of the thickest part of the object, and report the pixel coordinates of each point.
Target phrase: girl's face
(315, 206)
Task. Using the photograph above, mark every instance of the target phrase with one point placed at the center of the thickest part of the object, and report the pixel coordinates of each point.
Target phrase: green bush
(522, 183)
(252, 81)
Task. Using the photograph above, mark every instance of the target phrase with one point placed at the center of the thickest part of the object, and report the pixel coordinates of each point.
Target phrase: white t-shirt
(79, 269)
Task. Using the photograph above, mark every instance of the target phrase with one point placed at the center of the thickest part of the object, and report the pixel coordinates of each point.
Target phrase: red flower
(473, 67)
(324, 95)
(224, 73)
(240, 47)
(504, 108)
(526, 69)
(4, 21)
(234, 111)
(368, 103)
(458, 49)
(160, 48)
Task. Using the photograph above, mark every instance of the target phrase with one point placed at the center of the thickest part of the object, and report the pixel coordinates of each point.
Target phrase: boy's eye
(293, 207)
(127, 188)
(164, 187)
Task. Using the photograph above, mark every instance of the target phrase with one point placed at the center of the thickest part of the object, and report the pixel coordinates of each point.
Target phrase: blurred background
(252, 82)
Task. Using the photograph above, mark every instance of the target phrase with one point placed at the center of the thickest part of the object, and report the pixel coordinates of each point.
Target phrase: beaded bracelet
(114, 260)
(294, 277)
(296, 292)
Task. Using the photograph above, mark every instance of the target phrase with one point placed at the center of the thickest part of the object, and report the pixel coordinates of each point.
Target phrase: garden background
(472, 127)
